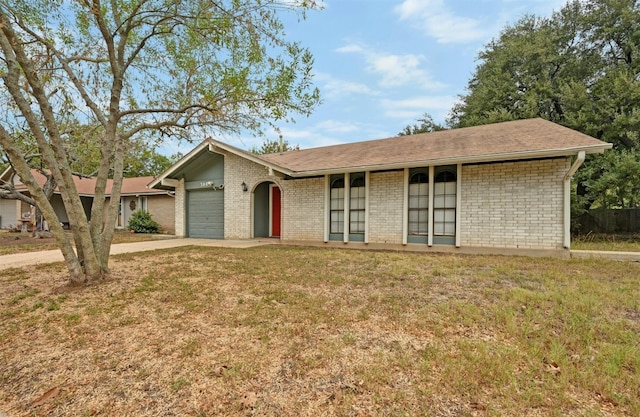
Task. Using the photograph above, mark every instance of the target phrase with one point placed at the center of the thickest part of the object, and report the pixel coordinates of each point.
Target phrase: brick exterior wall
(513, 205)
(303, 209)
(180, 223)
(516, 205)
(238, 223)
(163, 209)
(386, 207)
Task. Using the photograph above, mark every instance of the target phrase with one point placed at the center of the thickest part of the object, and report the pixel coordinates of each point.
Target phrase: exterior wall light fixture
(244, 186)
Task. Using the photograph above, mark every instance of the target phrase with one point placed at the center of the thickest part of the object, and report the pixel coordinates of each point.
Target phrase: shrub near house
(142, 222)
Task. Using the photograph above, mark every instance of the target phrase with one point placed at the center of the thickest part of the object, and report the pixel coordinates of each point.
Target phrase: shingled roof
(521, 139)
(86, 185)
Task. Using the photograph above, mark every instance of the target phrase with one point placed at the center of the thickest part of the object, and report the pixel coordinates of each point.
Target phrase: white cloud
(331, 87)
(336, 88)
(351, 48)
(539, 7)
(335, 126)
(332, 132)
(439, 22)
(395, 69)
(411, 109)
(310, 138)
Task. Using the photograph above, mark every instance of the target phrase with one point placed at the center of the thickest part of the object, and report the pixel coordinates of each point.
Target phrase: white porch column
(405, 206)
(431, 191)
(366, 206)
(327, 207)
(458, 202)
(567, 198)
(347, 200)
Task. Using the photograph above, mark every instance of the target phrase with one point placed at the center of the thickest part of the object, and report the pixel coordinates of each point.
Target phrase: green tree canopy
(579, 68)
(125, 68)
(272, 146)
(427, 125)
(140, 157)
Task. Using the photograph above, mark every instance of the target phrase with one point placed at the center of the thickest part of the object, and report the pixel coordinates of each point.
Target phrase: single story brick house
(494, 188)
(135, 195)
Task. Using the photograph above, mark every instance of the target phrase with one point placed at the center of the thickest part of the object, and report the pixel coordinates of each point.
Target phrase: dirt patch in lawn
(279, 331)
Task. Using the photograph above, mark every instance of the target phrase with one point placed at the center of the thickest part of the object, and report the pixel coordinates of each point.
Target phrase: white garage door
(8, 213)
(205, 214)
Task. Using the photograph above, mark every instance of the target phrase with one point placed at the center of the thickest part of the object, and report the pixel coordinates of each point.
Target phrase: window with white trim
(444, 203)
(337, 204)
(419, 202)
(357, 200)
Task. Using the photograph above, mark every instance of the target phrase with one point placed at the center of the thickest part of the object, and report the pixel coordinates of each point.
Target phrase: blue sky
(381, 64)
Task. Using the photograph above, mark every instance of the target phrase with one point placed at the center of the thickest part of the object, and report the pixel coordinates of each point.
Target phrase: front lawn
(292, 331)
(16, 242)
(629, 242)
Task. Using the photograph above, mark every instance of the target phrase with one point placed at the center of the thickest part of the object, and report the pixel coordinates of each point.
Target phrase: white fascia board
(169, 182)
(514, 156)
(182, 162)
(213, 144)
(5, 173)
(215, 147)
(144, 193)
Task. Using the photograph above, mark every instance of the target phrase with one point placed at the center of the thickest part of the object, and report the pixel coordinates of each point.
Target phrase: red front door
(276, 211)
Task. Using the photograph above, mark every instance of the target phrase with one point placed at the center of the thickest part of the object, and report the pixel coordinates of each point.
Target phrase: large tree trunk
(50, 146)
(76, 272)
(114, 205)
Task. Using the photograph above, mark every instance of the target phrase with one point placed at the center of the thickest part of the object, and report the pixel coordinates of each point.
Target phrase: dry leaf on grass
(478, 406)
(47, 396)
(220, 370)
(249, 400)
(551, 367)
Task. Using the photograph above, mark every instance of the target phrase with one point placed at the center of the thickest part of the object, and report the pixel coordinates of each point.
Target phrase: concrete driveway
(20, 260)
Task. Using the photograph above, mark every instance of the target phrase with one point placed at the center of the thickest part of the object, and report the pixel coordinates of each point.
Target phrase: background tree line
(579, 68)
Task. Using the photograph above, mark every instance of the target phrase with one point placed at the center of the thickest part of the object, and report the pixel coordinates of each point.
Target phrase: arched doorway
(267, 210)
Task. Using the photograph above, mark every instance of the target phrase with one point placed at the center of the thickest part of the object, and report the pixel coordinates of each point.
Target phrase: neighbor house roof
(521, 139)
(86, 186)
(136, 186)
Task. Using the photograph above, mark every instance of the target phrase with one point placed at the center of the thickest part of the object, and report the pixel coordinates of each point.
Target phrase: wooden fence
(609, 221)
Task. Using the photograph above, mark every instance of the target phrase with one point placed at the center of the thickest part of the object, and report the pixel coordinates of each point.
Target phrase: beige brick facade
(386, 207)
(303, 209)
(162, 209)
(238, 223)
(180, 198)
(516, 205)
(512, 205)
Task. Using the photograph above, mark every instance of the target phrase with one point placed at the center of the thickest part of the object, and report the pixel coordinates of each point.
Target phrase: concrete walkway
(20, 260)
(601, 254)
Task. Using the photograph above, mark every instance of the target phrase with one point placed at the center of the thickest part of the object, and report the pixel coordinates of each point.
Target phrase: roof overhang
(158, 181)
(499, 157)
(6, 173)
(215, 145)
(165, 179)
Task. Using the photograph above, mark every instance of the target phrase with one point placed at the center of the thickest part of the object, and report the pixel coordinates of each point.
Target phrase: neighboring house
(135, 195)
(492, 188)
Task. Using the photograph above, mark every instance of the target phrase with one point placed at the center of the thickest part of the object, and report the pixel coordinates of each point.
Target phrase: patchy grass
(607, 242)
(282, 331)
(13, 242)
